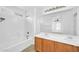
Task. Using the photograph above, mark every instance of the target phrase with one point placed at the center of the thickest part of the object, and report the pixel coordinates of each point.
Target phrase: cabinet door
(48, 46)
(77, 49)
(38, 44)
(52, 46)
(61, 47)
(74, 49)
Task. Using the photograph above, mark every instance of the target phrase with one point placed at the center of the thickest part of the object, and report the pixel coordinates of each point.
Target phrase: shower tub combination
(13, 36)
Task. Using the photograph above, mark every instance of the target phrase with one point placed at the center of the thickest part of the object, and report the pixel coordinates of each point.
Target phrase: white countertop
(68, 39)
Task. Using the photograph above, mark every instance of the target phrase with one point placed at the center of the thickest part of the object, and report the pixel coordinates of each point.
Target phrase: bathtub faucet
(27, 36)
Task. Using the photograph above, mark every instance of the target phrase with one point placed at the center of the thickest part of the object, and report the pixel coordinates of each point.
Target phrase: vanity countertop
(63, 38)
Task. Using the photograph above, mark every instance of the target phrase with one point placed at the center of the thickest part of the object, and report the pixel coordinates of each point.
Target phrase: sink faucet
(69, 37)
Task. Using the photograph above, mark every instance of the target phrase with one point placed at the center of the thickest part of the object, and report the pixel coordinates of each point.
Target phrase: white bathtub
(15, 46)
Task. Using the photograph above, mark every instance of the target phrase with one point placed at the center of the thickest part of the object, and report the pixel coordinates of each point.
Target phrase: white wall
(77, 20)
(39, 11)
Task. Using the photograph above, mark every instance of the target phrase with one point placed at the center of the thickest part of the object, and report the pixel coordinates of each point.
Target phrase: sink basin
(46, 35)
(70, 39)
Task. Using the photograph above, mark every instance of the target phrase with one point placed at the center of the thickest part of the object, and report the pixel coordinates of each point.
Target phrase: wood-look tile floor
(29, 49)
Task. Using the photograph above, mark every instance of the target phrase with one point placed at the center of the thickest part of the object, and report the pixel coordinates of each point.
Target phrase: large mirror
(62, 20)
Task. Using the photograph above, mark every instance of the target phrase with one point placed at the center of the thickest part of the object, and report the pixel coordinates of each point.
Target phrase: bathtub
(15, 46)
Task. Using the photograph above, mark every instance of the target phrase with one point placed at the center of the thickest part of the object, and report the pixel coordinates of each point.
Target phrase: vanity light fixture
(54, 8)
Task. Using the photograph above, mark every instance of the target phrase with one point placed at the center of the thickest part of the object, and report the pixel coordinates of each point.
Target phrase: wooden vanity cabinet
(38, 44)
(44, 45)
